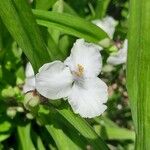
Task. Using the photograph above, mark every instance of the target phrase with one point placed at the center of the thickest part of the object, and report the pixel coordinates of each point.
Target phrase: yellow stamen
(80, 70)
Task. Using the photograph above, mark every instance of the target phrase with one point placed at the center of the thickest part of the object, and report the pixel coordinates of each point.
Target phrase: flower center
(80, 70)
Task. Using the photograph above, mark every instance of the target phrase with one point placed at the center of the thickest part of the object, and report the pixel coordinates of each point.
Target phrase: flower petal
(30, 79)
(86, 55)
(120, 57)
(88, 98)
(108, 24)
(29, 84)
(54, 80)
(29, 70)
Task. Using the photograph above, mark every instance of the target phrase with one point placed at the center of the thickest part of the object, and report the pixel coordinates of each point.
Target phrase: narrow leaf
(62, 141)
(4, 136)
(55, 128)
(84, 128)
(25, 138)
(138, 70)
(45, 4)
(18, 18)
(70, 24)
(111, 131)
(101, 8)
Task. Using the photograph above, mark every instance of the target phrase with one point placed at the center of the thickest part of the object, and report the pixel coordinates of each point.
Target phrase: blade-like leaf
(70, 24)
(37, 141)
(4, 126)
(18, 18)
(138, 70)
(25, 138)
(101, 8)
(45, 4)
(1, 42)
(112, 131)
(55, 128)
(63, 142)
(84, 128)
(4, 136)
(68, 9)
(75, 121)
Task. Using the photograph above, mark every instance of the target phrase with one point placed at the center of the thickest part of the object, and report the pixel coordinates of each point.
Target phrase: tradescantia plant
(62, 63)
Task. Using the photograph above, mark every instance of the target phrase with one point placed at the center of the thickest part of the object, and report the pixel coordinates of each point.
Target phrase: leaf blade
(20, 22)
(70, 24)
(84, 128)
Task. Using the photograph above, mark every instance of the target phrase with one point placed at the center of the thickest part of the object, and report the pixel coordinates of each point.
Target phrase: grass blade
(84, 128)
(101, 8)
(25, 138)
(112, 131)
(45, 5)
(138, 70)
(19, 20)
(70, 24)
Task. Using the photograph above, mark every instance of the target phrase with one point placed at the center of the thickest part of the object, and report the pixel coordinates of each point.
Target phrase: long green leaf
(68, 9)
(75, 121)
(63, 142)
(45, 4)
(55, 128)
(84, 128)
(37, 141)
(101, 8)
(1, 42)
(138, 70)
(112, 131)
(70, 24)
(19, 20)
(4, 136)
(25, 138)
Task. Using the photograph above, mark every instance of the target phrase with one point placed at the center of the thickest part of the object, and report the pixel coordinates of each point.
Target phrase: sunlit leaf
(84, 128)
(25, 138)
(71, 25)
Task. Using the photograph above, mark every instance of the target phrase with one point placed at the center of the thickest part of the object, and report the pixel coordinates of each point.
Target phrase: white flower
(76, 79)
(119, 57)
(30, 79)
(108, 24)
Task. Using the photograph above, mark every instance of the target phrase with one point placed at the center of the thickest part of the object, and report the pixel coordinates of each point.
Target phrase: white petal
(87, 55)
(29, 84)
(29, 70)
(30, 79)
(54, 80)
(88, 98)
(108, 24)
(120, 57)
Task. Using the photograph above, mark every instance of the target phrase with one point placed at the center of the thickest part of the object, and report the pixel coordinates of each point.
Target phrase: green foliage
(21, 24)
(70, 25)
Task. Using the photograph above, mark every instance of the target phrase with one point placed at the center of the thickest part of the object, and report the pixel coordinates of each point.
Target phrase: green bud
(29, 116)
(105, 42)
(113, 48)
(20, 109)
(11, 112)
(31, 100)
(8, 92)
(34, 101)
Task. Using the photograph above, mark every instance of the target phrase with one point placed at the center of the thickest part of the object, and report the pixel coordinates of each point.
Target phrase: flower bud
(11, 112)
(29, 116)
(34, 101)
(31, 100)
(20, 109)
